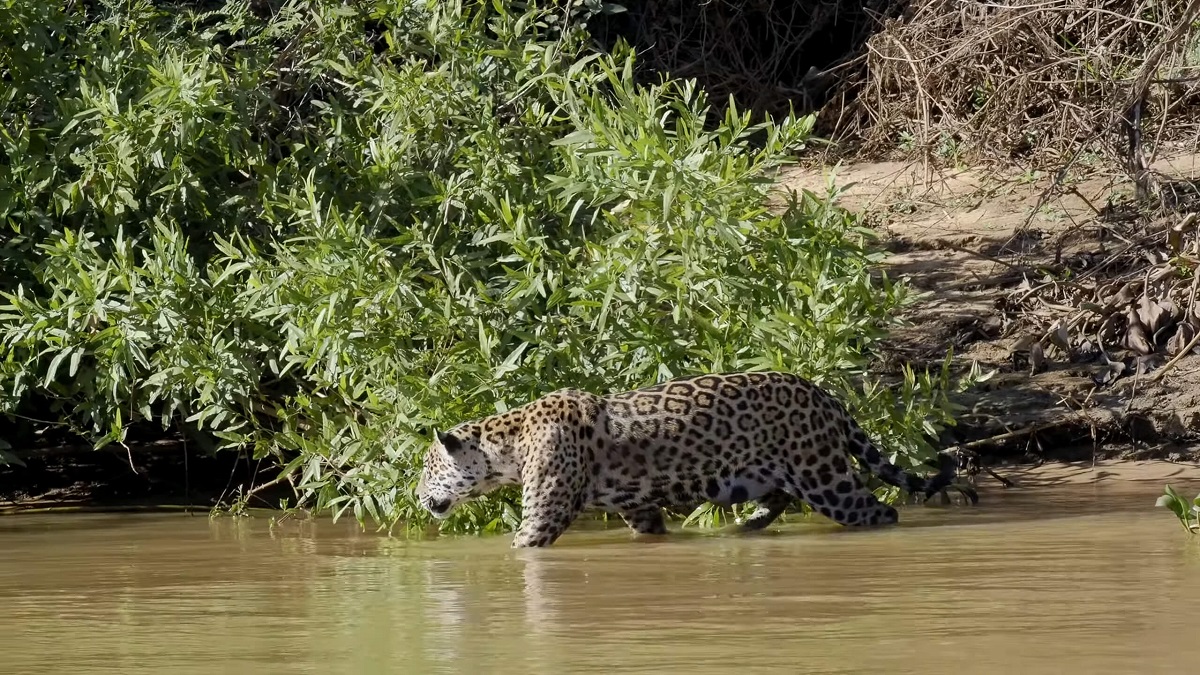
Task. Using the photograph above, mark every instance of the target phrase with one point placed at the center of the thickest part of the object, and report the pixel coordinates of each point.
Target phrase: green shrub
(319, 234)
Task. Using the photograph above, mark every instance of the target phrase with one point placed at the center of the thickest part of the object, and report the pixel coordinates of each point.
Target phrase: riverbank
(1025, 272)
(105, 482)
(983, 245)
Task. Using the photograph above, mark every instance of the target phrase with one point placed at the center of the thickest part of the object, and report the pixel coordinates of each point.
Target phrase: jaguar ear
(449, 441)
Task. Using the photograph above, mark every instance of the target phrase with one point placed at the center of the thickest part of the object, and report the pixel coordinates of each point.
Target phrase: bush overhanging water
(317, 234)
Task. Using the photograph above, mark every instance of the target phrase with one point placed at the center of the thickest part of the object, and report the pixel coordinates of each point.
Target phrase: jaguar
(764, 437)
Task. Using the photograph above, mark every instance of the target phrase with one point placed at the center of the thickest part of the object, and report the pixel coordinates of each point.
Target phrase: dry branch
(1029, 80)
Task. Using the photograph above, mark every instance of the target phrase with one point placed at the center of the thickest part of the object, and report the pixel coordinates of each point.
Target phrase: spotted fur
(767, 437)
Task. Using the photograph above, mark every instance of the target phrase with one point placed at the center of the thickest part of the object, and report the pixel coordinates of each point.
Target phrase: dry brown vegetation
(1086, 316)
(1031, 80)
(1026, 80)
(1043, 188)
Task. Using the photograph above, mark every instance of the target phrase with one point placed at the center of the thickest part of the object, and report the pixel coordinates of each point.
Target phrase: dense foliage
(316, 233)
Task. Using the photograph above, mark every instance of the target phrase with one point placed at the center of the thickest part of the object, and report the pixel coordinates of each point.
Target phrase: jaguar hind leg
(770, 507)
(645, 520)
(843, 499)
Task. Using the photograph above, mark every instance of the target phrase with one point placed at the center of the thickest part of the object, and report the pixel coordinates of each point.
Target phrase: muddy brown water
(1087, 579)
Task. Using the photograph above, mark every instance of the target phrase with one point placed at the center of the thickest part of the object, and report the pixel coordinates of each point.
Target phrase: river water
(1067, 579)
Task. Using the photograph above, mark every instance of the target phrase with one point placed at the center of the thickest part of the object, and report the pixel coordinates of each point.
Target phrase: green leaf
(577, 137)
(52, 369)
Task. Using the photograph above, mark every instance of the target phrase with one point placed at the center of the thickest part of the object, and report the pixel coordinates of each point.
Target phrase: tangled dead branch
(1023, 79)
(1038, 81)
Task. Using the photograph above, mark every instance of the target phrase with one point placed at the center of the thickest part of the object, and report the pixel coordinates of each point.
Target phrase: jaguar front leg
(549, 506)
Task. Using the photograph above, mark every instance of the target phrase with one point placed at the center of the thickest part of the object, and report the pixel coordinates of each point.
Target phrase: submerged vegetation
(315, 233)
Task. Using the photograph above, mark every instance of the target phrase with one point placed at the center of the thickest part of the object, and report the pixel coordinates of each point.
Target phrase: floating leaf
(1182, 508)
